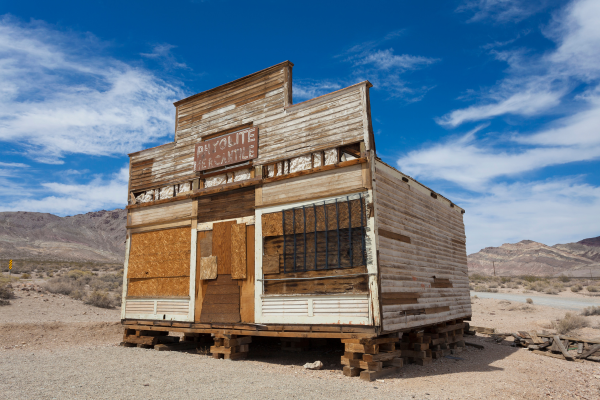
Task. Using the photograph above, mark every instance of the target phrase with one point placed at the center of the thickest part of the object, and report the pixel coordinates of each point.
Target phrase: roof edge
(220, 87)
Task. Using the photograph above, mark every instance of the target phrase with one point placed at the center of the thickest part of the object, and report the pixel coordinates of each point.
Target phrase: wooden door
(225, 299)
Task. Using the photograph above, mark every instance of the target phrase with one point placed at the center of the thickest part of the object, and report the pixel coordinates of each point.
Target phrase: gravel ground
(109, 372)
(53, 351)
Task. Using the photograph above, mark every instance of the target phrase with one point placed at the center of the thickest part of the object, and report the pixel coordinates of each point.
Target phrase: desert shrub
(503, 286)
(512, 285)
(564, 279)
(593, 289)
(593, 310)
(551, 290)
(64, 285)
(570, 322)
(26, 276)
(492, 286)
(6, 291)
(99, 299)
(530, 278)
(505, 279)
(538, 286)
(478, 277)
(576, 288)
(520, 307)
(529, 301)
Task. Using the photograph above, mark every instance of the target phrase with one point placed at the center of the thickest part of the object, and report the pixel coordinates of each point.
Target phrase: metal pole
(294, 228)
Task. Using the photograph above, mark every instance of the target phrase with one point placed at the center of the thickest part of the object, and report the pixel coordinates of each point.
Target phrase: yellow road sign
(10, 264)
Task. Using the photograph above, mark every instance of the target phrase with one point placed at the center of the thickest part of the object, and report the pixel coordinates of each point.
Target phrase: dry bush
(530, 278)
(570, 322)
(593, 289)
(26, 276)
(593, 310)
(538, 286)
(551, 290)
(529, 301)
(564, 279)
(492, 286)
(6, 292)
(99, 299)
(512, 285)
(521, 307)
(576, 288)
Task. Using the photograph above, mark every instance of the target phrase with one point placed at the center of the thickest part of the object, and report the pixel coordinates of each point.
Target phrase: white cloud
(384, 68)
(472, 163)
(162, 53)
(59, 96)
(308, 89)
(501, 10)
(537, 84)
(550, 212)
(68, 199)
(13, 165)
(386, 59)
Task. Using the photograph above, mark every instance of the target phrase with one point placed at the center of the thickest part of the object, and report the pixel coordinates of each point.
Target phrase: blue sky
(493, 103)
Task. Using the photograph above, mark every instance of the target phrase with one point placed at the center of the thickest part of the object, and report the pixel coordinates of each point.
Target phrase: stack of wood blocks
(371, 358)
(146, 339)
(230, 347)
(415, 348)
(447, 338)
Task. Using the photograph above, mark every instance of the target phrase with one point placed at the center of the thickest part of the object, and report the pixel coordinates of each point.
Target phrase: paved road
(554, 301)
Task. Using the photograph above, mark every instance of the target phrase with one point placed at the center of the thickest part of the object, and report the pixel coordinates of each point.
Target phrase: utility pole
(494, 268)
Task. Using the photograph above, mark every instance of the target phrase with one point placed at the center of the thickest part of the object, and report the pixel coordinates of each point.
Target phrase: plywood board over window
(221, 246)
(159, 263)
(238, 251)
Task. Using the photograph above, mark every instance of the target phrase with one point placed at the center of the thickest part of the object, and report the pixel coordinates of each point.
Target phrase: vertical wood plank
(221, 246)
(238, 251)
(247, 289)
(199, 289)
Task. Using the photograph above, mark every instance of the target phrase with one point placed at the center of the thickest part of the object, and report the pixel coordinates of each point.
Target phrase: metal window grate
(338, 234)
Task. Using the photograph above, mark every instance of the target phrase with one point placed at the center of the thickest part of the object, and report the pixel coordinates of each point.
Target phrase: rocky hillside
(581, 259)
(96, 236)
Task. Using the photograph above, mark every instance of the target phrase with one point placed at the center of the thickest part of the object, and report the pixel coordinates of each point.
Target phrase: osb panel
(159, 287)
(160, 254)
(222, 246)
(238, 251)
(205, 244)
(272, 223)
(208, 267)
(247, 287)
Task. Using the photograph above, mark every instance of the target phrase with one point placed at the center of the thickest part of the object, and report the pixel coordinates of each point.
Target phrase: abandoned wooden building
(267, 218)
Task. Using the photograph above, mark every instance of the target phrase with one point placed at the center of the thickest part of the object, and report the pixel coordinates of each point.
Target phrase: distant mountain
(581, 259)
(96, 236)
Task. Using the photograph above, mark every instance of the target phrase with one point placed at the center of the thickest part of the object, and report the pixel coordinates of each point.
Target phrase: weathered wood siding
(261, 100)
(161, 213)
(422, 255)
(330, 183)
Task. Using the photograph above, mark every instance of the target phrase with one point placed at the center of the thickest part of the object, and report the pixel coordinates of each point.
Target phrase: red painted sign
(227, 149)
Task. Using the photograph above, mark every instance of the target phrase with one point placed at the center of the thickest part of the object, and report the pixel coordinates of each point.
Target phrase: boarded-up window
(319, 236)
(159, 263)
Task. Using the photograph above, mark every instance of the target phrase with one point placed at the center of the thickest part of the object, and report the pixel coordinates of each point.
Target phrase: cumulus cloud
(101, 192)
(60, 96)
(539, 83)
(550, 212)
